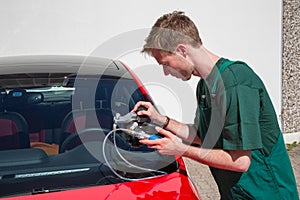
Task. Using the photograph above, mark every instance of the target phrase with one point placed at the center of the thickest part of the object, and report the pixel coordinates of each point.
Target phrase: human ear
(181, 49)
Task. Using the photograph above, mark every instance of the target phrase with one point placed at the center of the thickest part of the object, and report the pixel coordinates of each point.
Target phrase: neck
(203, 61)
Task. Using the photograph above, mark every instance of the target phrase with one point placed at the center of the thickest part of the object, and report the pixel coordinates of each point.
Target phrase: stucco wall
(291, 66)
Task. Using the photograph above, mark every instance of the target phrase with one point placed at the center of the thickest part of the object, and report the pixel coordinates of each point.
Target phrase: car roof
(45, 66)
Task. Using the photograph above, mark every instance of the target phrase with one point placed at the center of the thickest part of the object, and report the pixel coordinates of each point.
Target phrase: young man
(235, 129)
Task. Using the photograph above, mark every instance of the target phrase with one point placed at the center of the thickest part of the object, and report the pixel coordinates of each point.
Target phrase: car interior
(52, 136)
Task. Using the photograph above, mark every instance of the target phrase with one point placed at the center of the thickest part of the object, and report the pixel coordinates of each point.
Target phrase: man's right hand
(151, 112)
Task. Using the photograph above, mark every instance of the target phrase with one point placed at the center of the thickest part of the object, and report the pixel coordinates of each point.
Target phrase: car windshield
(57, 131)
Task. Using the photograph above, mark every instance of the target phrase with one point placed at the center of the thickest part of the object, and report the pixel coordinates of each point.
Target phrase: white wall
(236, 29)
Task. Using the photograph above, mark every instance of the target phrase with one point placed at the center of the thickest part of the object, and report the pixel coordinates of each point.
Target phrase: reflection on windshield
(68, 138)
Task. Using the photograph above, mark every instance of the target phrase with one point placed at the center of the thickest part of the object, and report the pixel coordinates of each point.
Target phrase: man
(235, 129)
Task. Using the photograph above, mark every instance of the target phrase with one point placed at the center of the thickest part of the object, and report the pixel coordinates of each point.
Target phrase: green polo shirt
(236, 113)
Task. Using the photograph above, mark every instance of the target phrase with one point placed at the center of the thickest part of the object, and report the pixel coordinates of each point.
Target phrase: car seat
(13, 127)
(26, 104)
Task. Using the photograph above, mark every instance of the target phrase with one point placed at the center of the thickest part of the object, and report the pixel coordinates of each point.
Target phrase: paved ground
(206, 186)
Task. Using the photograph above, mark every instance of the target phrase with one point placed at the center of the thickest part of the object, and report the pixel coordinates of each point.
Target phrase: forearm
(183, 131)
(238, 161)
(186, 132)
(234, 160)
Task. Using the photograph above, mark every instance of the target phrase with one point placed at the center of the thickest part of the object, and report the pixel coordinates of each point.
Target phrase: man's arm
(186, 132)
(234, 160)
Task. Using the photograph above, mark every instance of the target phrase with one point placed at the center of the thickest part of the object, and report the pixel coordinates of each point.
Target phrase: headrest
(21, 97)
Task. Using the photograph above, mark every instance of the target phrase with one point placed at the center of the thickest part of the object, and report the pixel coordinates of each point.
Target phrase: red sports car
(66, 132)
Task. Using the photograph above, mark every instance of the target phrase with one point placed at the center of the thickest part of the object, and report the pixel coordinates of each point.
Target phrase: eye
(165, 64)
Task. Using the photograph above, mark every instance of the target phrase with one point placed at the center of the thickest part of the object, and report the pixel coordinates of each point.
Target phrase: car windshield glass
(62, 136)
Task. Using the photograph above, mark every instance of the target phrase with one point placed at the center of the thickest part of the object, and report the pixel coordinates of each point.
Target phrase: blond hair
(170, 30)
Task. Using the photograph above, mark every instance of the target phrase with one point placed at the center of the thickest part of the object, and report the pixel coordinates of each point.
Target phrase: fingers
(149, 143)
(164, 132)
(141, 103)
(153, 144)
(158, 142)
(150, 112)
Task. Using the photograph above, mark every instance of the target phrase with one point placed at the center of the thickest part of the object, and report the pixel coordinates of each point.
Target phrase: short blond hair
(170, 30)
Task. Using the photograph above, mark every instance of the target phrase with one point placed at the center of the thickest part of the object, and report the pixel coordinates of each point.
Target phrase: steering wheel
(83, 136)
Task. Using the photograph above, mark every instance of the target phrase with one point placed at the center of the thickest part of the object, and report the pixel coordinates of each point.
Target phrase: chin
(182, 77)
(185, 78)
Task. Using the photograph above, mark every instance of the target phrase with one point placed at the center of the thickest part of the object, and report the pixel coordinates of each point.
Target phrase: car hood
(172, 186)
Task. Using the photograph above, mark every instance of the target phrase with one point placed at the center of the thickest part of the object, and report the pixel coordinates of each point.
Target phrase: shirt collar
(215, 70)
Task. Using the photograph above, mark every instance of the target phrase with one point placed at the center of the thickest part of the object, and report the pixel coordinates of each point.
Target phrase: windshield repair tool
(138, 126)
(133, 127)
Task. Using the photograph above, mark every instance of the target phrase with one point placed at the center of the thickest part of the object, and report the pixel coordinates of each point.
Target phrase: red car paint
(172, 186)
(175, 185)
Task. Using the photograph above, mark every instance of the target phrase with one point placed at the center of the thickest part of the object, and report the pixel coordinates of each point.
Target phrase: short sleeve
(241, 129)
